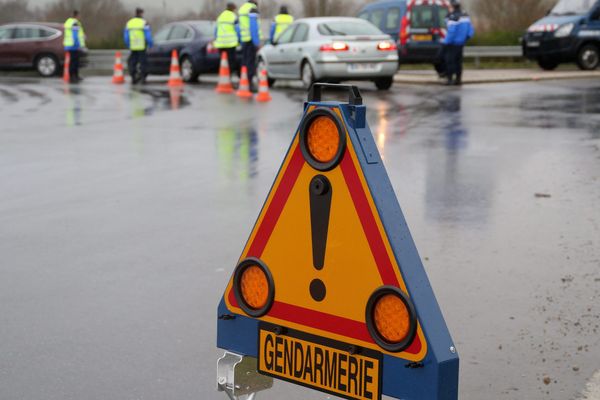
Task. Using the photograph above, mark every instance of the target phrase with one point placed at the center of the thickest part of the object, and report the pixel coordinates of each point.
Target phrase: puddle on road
(576, 110)
(73, 109)
(238, 151)
(161, 100)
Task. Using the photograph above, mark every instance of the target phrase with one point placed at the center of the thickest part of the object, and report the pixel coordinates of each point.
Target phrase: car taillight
(335, 46)
(210, 49)
(386, 46)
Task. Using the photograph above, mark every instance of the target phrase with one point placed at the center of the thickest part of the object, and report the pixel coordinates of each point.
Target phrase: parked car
(193, 42)
(569, 33)
(331, 49)
(417, 26)
(32, 45)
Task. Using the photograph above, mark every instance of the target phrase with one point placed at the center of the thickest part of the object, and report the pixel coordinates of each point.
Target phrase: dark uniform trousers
(138, 58)
(232, 59)
(249, 51)
(454, 61)
(74, 66)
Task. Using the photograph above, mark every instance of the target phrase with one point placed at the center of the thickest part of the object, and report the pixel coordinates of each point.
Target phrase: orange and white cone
(175, 97)
(244, 88)
(66, 75)
(118, 77)
(263, 87)
(175, 79)
(224, 86)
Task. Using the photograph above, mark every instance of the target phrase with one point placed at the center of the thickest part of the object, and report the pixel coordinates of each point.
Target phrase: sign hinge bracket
(239, 378)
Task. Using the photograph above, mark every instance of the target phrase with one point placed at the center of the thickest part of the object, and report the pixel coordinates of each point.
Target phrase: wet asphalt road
(121, 220)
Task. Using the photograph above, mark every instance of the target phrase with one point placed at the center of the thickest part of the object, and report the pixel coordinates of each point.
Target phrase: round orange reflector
(391, 318)
(254, 287)
(323, 139)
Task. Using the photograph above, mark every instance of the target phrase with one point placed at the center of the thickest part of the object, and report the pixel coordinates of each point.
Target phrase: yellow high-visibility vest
(137, 36)
(69, 39)
(282, 21)
(244, 13)
(226, 35)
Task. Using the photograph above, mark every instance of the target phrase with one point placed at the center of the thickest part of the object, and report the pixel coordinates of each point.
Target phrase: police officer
(138, 37)
(74, 40)
(227, 34)
(281, 22)
(460, 30)
(251, 36)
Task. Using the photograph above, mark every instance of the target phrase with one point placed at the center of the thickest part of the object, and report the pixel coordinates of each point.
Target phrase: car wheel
(547, 65)
(384, 83)
(308, 76)
(262, 65)
(46, 65)
(188, 74)
(588, 57)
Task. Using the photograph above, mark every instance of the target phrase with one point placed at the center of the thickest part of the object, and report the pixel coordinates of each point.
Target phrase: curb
(417, 79)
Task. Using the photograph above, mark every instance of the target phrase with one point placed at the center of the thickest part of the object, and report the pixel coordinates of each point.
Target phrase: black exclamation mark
(320, 206)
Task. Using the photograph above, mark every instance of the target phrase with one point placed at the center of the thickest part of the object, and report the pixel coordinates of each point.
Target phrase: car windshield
(348, 28)
(442, 15)
(205, 28)
(163, 34)
(424, 17)
(572, 7)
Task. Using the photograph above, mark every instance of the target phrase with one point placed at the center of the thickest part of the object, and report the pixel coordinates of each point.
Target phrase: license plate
(363, 67)
(533, 44)
(422, 38)
(319, 363)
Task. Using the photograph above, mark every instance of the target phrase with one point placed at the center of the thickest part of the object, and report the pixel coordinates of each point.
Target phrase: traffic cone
(175, 74)
(244, 89)
(175, 97)
(66, 76)
(118, 77)
(263, 87)
(224, 86)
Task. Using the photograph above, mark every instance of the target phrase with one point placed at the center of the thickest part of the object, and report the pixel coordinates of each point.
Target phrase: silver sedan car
(331, 49)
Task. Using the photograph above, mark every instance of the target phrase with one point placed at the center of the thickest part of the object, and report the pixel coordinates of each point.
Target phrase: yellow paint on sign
(350, 273)
(320, 367)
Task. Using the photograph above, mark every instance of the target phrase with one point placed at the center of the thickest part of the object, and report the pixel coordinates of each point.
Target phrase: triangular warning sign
(330, 264)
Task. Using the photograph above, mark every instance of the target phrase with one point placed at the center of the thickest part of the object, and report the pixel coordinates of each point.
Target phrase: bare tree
(508, 15)
(212, 9)
(316, 8)
(16, 10)
(103, 20)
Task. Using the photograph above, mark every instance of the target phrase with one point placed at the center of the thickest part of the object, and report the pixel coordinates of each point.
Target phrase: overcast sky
(177, 4)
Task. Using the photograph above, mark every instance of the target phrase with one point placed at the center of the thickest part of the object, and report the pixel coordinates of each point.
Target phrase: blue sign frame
(434, 378)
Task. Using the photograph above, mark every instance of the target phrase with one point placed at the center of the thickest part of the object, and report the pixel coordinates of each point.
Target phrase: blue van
(418, 26)
(569, 33)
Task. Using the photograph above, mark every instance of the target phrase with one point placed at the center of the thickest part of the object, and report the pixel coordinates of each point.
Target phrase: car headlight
(564, 30)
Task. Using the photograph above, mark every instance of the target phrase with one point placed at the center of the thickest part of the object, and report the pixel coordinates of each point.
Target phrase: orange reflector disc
(254, 287)
(323, 139)
(392, 319)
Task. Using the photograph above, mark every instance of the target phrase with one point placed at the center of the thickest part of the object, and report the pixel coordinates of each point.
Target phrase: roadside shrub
(496, 38)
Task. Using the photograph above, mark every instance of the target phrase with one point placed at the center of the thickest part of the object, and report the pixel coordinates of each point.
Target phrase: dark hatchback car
(32, 45)
(193, 42)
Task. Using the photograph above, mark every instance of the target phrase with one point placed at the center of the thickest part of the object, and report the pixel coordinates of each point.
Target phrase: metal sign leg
(238, 377)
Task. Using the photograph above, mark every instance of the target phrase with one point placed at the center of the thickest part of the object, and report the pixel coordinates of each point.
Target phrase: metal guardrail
(479, 52)
(103, 60)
